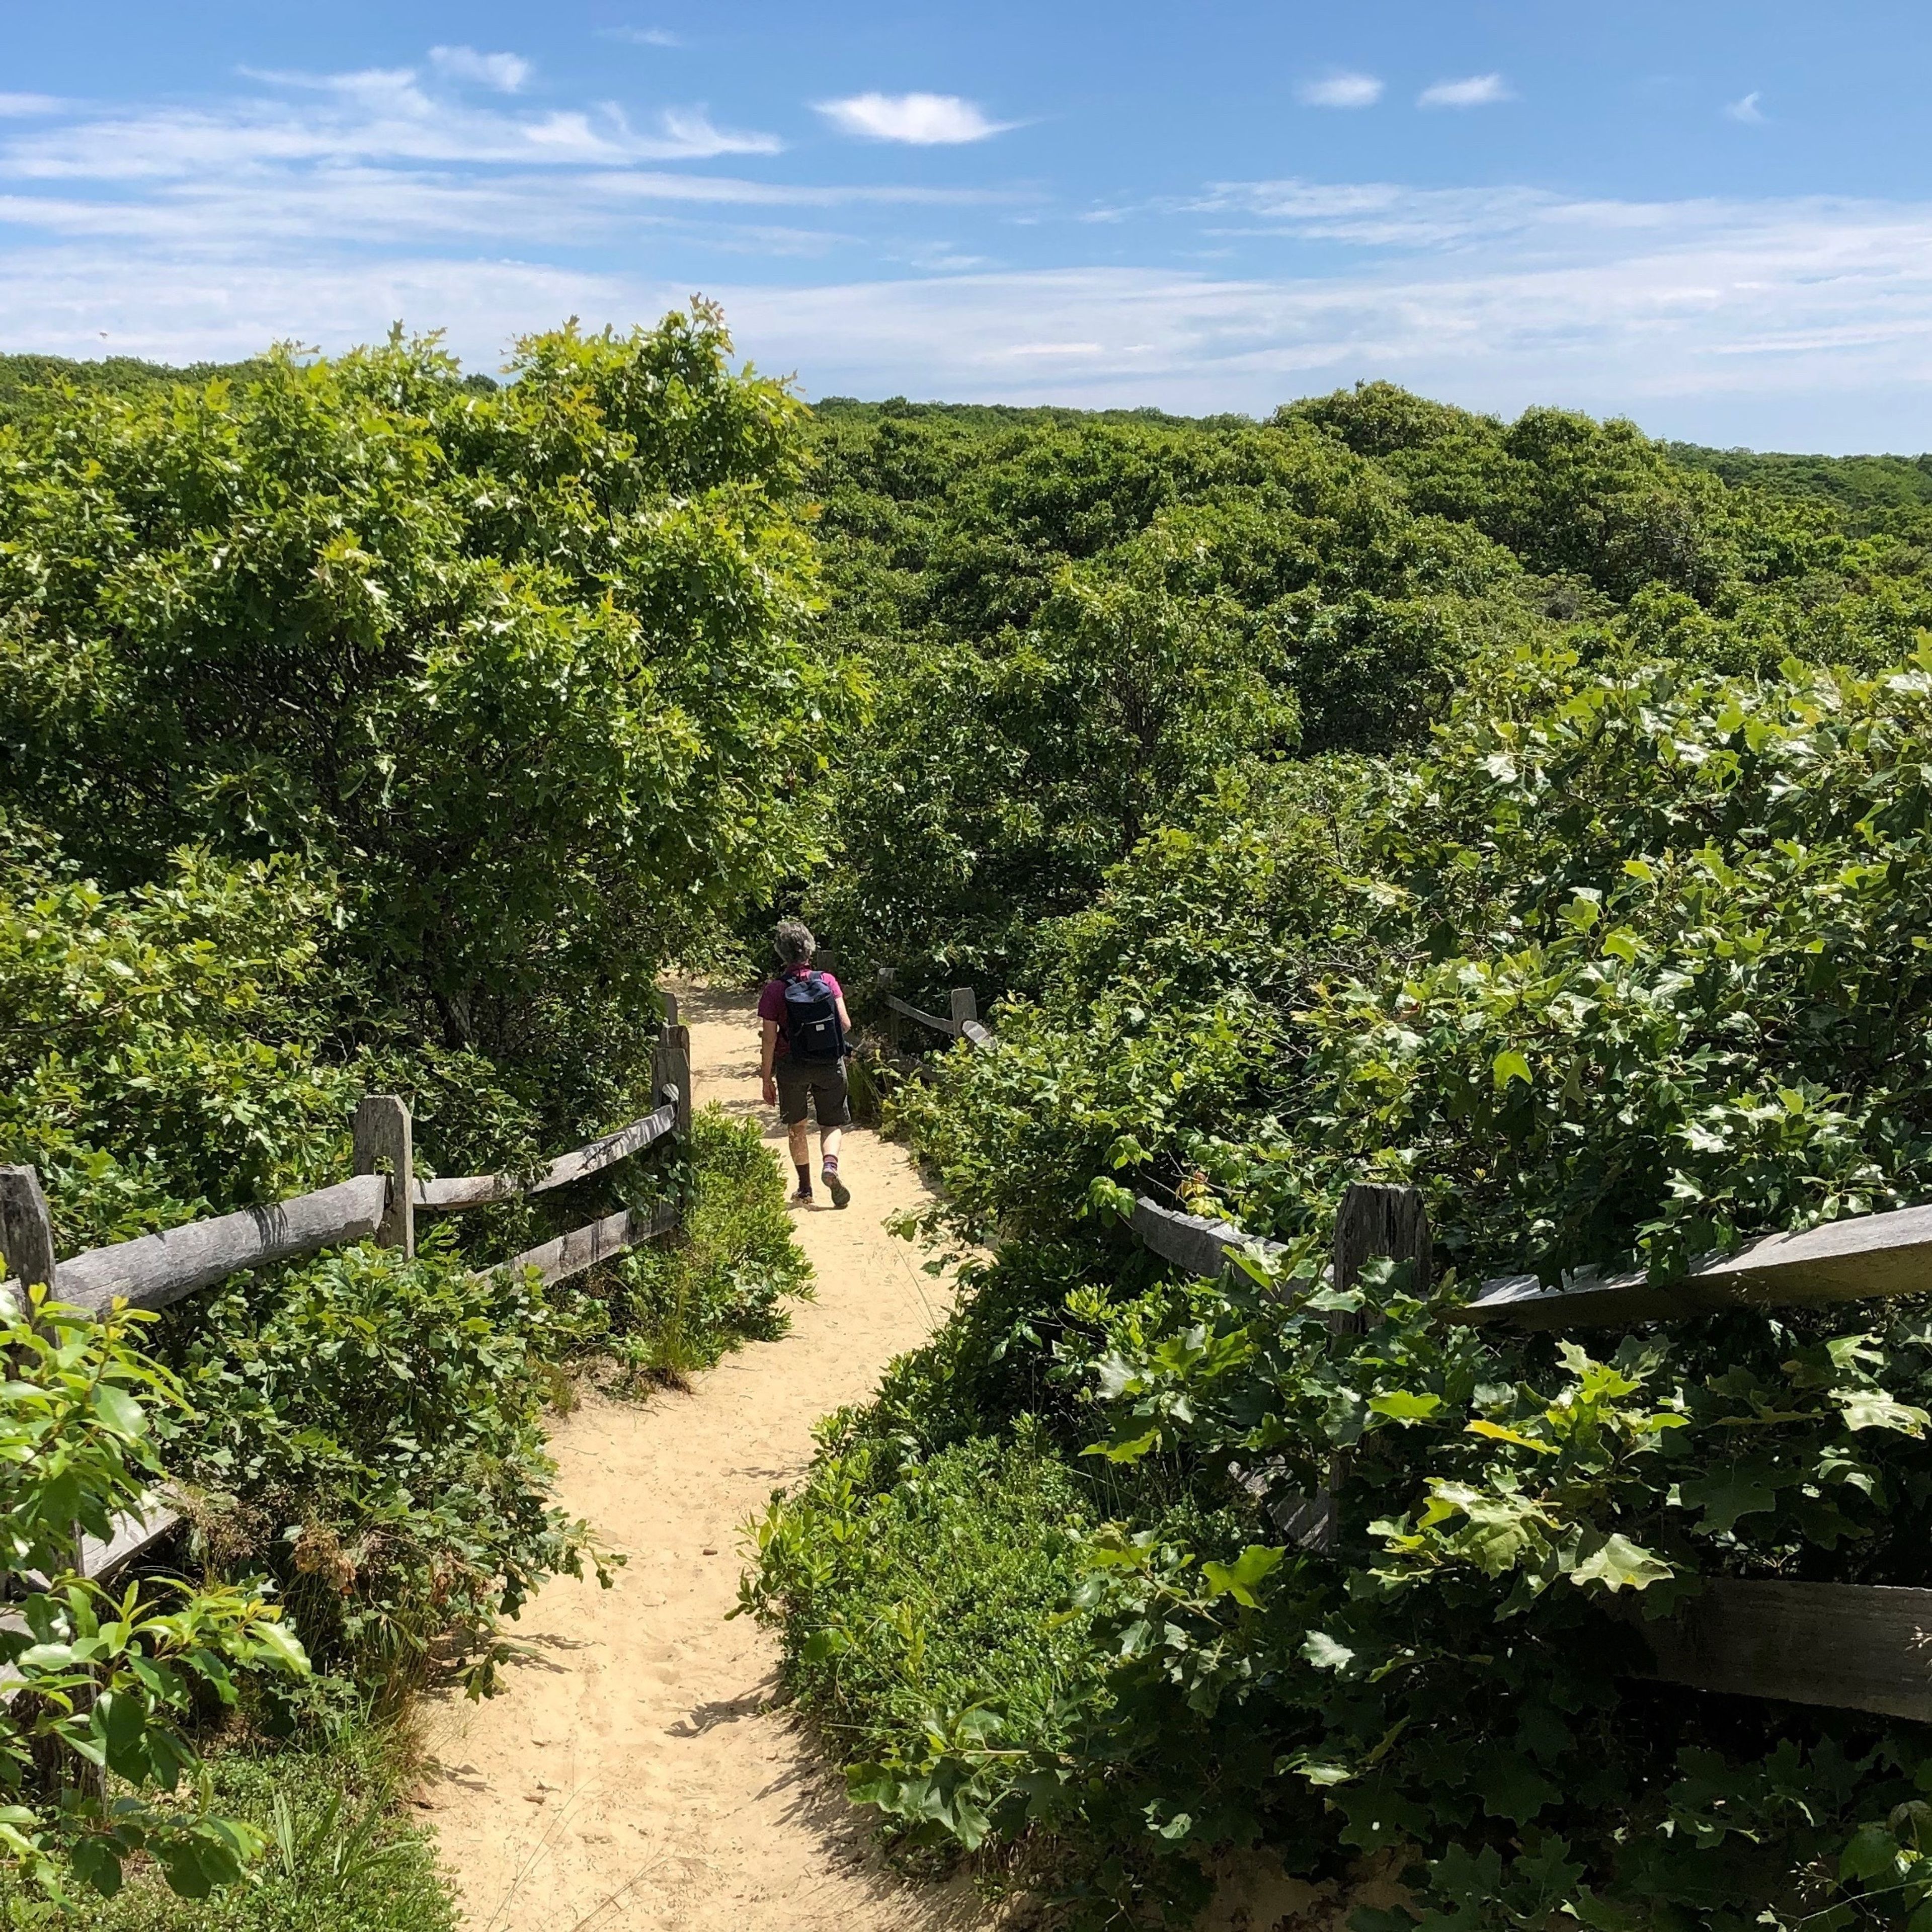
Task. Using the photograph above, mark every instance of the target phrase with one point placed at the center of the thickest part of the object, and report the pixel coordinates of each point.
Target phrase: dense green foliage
(1075, 625)
(34, 386)
(364, 726)
(909, 1596)
(1526, 810)
(163, 1050)
(725, 1276)
(1868, 484)
(335, 1857)
(96, 1732)
(1620, 961)
(520, 672)
(372, 1429)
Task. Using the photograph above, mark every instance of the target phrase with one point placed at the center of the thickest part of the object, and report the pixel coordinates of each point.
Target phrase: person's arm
(845, 1023)
(770, 1048)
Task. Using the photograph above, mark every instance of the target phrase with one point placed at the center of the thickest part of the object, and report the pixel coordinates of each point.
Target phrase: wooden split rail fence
(381, 1201)
(1861, 1647)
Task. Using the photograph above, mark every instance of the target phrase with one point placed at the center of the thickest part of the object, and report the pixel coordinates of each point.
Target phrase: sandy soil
(636, 1771)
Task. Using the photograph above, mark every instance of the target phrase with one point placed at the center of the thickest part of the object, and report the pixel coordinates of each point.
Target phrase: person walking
(804, 1025)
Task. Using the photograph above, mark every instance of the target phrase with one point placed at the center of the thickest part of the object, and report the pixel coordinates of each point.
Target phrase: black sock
(805, 1179)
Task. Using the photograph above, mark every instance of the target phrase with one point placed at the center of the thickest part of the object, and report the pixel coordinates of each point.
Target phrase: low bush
(371, 1429)
(919, 1597)
(336, 1855)
(98, 1762)
(725, 1276)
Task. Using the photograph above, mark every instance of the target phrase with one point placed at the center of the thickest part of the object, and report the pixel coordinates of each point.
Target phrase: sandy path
(637, 1774)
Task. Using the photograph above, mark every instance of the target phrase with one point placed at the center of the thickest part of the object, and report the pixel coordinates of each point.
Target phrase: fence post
(965, 1006)
(1375, 1219)
(670, 1067)
(885, 980)
(26, 1230)
(383, 1145)
(669, 1005)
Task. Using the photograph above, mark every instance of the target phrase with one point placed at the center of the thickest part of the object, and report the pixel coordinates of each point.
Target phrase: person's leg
(794, 1094)
(832, 1101)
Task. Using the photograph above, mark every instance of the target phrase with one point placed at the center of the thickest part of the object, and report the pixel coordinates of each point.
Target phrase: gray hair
(793, 942)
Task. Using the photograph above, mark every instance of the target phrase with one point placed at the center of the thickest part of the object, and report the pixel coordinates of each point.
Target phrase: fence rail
(1848, 1646)
(476, 1190)
(153, 1271)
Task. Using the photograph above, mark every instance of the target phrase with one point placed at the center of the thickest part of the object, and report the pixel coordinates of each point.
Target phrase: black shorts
(823, 1082)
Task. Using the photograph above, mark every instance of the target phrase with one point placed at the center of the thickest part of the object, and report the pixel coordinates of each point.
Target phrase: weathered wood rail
(965, 1013)
(476, 1190)
(1850, 1646)
(379, 1201)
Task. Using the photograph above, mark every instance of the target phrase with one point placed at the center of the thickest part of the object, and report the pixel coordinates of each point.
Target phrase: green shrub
(1631, 967)
(364, 727)
(920, 1602)
(336, 1857)
(725, 1276)
(521, 670)
(370, 1428)
(160, 1049)
(97, 1732)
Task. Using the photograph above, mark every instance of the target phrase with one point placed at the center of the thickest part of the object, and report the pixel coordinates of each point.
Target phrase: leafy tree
(523, 670)
(367, 726)
(995, 570)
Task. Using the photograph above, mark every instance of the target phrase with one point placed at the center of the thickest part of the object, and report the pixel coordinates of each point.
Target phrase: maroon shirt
(771, 1001)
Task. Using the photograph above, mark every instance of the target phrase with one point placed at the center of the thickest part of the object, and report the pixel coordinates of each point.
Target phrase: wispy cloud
(21, 106)
(1478, 90)
(689, 134)
(1747, 110)
(643, 37)
(506, 73)
(1340, 90)
(1802, 320)
(923, 120)
(377, 115)
(1376, 215)
(320, 206)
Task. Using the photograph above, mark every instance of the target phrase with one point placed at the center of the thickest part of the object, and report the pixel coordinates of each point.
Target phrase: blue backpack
(812, 1029)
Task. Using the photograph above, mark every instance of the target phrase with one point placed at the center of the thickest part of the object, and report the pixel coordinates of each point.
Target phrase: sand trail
(638, 1772)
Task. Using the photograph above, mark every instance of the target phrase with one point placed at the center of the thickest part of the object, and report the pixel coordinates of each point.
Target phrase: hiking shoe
(802, 1197)
(841, 1193)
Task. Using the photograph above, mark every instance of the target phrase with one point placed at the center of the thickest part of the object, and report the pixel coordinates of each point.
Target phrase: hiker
(806, 1027)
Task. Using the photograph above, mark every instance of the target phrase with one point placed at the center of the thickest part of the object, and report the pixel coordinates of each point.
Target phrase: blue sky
(1715, 217)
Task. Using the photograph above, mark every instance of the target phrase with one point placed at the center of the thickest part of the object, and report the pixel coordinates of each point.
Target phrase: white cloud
(688, 134)
(642, 36)
(924, 120)
(1747, 110)
(1340, 90)
(379, 115)
(1372, 214)
(506, 73)
(20, 107)
(321, 206)
(1803, 323)
(1479, 90)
